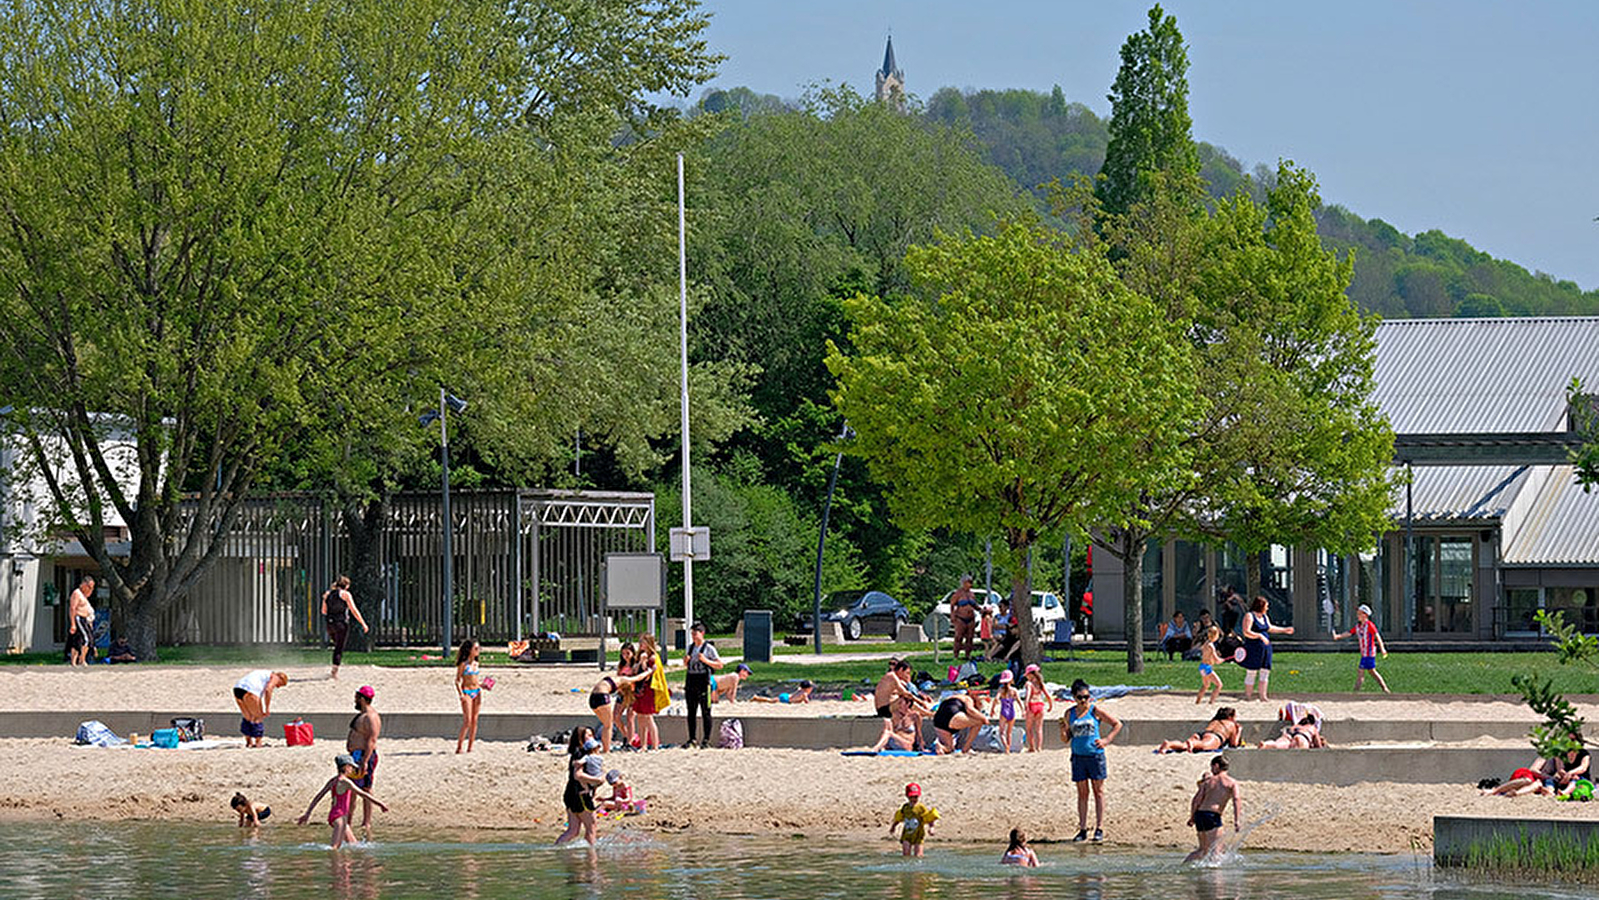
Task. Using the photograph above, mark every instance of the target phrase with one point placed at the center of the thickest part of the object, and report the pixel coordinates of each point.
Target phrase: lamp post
(821, 542)
(447, 403)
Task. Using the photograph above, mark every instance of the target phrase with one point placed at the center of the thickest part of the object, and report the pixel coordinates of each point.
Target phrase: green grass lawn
(1410, 673)
(1314, 673)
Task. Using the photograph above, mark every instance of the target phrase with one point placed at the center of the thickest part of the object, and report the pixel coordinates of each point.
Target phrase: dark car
(875, 611)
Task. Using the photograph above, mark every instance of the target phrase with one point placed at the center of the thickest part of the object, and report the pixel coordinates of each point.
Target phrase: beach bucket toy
(165, 737)
(298, 733)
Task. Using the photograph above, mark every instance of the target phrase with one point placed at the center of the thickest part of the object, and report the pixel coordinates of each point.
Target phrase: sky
(1478, 119)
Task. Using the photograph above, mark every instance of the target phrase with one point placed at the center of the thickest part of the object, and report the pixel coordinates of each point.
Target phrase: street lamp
(821, 542)
(448, 403)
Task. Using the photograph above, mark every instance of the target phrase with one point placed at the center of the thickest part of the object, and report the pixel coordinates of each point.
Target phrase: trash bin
(758, 635)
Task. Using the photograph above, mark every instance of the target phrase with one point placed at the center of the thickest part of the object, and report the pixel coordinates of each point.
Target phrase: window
(1521, 604)
(1580, 605)
(1443, 584)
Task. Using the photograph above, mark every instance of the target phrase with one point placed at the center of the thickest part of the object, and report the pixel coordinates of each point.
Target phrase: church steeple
(890, 80)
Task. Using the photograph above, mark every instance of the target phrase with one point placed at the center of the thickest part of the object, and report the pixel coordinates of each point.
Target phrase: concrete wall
(1344, 767)
(1453, 836)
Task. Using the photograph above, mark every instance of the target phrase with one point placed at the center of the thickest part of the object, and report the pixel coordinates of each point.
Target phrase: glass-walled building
(1491, 543)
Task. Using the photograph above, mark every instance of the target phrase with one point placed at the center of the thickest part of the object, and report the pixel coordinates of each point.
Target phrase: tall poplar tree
(1149, 123)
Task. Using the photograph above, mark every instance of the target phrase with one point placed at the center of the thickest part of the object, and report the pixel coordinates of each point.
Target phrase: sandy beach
(754, 790)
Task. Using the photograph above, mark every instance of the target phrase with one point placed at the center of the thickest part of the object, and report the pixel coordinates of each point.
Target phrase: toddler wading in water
(344, 790)
(917, 821)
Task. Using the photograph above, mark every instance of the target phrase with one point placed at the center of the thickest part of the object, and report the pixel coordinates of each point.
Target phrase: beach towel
(1105, 692)
(881, 753)
(95, 734)
(663, 697)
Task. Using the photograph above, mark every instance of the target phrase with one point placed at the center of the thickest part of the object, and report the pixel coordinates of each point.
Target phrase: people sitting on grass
(1176, 637)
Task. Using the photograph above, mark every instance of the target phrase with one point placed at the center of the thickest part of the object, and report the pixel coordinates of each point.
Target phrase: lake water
(193, 862)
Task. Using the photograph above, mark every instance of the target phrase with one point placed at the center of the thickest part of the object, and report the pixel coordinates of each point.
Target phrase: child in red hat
(917, 821)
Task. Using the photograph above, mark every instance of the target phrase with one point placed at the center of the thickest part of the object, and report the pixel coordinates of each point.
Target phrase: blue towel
(1109, 691)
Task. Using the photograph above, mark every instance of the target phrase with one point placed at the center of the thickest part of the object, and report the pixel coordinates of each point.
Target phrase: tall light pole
(447, 402)
(682, 339)
(821, 542)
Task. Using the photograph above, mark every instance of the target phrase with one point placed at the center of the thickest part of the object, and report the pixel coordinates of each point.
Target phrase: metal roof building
(1537, 530)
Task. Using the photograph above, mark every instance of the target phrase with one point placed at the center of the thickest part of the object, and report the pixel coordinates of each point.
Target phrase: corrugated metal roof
(1561, 526)
(1460, 492)
(1482, 375)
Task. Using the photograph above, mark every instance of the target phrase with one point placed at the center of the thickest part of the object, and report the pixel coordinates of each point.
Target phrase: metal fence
(524, 562)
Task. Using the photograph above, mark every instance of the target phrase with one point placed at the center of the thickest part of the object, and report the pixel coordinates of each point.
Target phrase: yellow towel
(663, 697)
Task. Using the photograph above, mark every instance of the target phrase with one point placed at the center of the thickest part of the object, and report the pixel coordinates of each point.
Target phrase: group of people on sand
(956, 717)
(1556, 776)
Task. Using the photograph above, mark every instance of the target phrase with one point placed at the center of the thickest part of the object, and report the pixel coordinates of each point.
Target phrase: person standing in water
(1216, 790)
(362, 743)
(1081, 728)
(338, 605)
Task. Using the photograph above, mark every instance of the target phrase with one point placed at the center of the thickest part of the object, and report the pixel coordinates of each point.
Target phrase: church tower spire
(890, 80)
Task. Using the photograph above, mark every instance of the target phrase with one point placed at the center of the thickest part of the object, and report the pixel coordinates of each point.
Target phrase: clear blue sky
(1480, 119)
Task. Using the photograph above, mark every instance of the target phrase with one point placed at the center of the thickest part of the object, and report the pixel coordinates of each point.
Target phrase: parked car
(874, 611)
(1047, 609)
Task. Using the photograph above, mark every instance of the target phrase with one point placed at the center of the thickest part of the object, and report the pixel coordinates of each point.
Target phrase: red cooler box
(298, 733)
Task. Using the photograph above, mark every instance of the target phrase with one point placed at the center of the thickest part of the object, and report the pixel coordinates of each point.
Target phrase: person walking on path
(253, 694)
(700, 661)
(1257, 647)
(80, 623)
(338, 605)
(963, 615)
(362, 743)
(1216, 790)
(1080, 727)
(1370, 641)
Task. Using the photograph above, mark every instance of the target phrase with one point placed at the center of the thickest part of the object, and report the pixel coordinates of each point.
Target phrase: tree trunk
(1021, 601)
(1252, 578)
(366, 521)
(1131, 549)
(141, 622)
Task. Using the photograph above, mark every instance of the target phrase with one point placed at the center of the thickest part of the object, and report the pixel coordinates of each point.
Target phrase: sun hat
(913, 790)
(1006, 677)
(1030, 669)
(345, 759)
(366, 691)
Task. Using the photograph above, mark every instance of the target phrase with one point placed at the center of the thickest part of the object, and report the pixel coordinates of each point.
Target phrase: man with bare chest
(362, 744)
(1216, 790)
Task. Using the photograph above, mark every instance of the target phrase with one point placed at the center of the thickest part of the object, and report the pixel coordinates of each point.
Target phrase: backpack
(732, 735)
(189, 729)
(95, 733)
(967, 670)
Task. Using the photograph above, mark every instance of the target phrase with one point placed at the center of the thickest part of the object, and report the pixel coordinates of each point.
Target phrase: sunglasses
(1080, 697)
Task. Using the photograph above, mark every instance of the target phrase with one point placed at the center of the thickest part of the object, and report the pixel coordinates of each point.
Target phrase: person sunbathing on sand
(1303, 736)
(803, 695)
(1222, 730)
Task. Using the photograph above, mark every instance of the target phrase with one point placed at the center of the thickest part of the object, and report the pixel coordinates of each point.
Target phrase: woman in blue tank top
(1081, 728)
(1257, 647)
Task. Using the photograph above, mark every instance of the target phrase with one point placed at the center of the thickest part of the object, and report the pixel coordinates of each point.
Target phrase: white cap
(1365, 609)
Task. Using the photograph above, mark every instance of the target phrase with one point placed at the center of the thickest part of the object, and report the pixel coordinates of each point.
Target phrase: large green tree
(799, 209)
(230, 227)
(1020, 389)
(1149, 123)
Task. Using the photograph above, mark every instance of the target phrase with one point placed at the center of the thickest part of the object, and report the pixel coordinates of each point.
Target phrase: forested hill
(1035, 137)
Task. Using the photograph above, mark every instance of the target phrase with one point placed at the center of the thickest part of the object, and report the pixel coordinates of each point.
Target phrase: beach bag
(732, 737)
(165, 737)
(189, 729)
(94, 733)
(298, 733)
(987, 740)
(663, 697)
(967, 670)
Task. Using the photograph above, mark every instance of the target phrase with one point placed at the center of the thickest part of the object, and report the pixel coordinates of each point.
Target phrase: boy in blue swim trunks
(803, 695)
(1370, 641)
